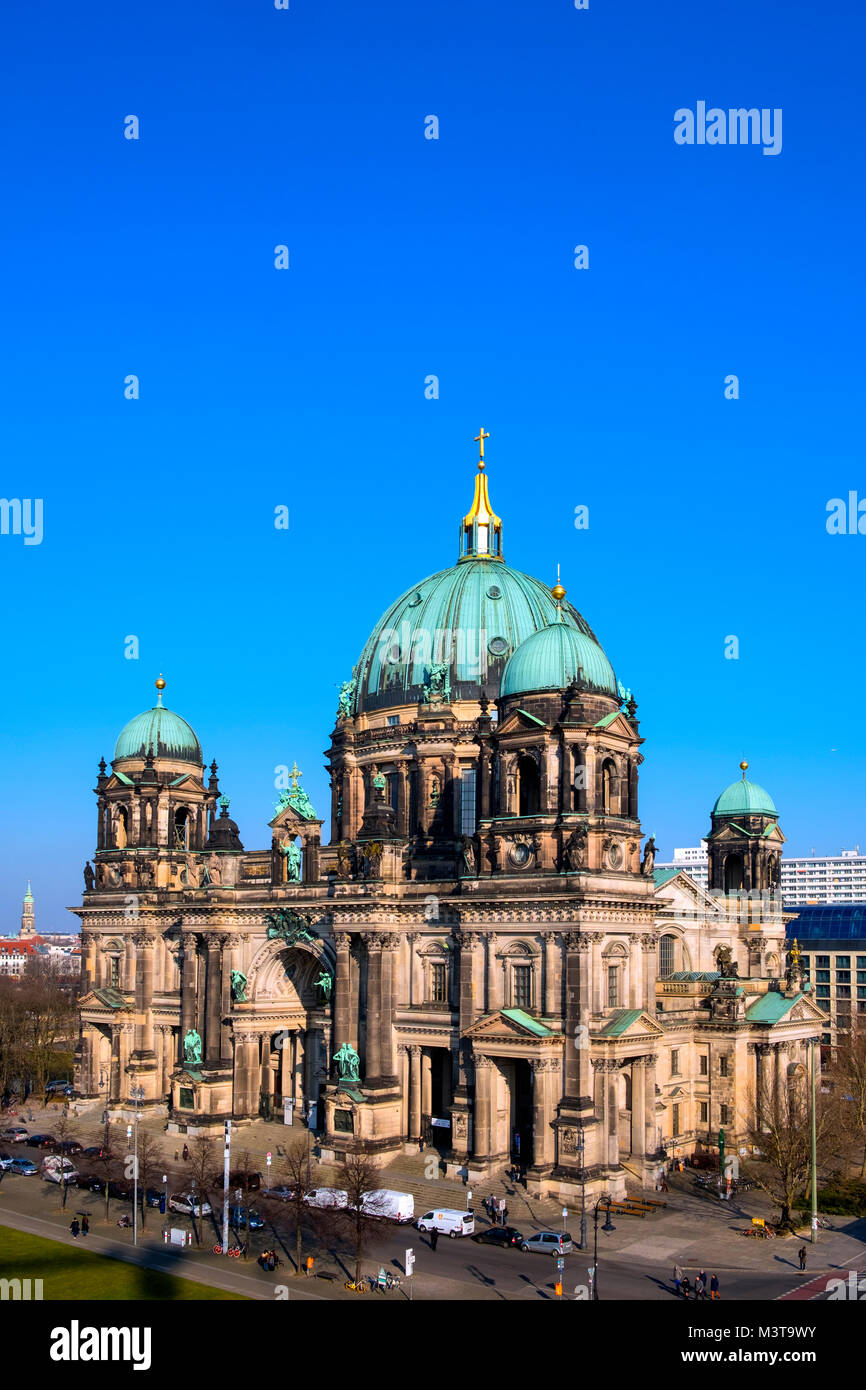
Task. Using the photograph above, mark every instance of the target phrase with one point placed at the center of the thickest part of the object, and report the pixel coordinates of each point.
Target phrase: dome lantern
(481, 528)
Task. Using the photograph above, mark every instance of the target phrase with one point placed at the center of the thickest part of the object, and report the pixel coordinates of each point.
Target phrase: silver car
(189, 1204)
(547, 1243)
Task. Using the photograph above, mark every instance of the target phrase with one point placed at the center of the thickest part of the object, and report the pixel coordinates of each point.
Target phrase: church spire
(28, 918)
(481, 528)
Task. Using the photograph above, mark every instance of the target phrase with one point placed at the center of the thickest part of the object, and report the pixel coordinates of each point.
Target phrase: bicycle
(352, 1287)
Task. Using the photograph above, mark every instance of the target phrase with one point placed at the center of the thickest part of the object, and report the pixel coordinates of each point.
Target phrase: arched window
(529, 797)
(181, 828)
(733, 873)
(121, 829)
(667, 956)
(608, 773)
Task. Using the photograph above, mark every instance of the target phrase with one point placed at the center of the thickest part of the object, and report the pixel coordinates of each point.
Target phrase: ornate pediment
(630, 1025)
(510, 1025)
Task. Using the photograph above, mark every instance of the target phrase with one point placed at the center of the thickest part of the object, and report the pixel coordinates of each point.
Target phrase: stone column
(762, 1052)
(409, 939)
(635, 955)
(651, 1145)
(144, 948)
(342, 986)
(402, 798)
(551, 1005)
(388, 998)
(577, 1075)
(545, 1074)
(638, 1108)
(649, 946)
(300, 1055)
(596, 939)
(468, 944)
(403, 1073)
(114, 1080)
(490, 943)
(373, 1058)
(128, 963)
(426, 1082)
(484, 1106)
(414, 1091)
(187, 988)
(214, 999)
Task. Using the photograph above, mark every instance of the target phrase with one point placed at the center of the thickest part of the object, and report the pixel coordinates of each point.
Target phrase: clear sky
(412, 257)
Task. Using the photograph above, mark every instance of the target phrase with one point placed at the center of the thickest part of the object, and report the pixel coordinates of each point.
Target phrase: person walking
(699, 1288)
(504, 1212)
(434, 1237)
(74, 1227)
(703, 1278)
(85, 1225)
(801, 1256)
(185, 1152)
(686, 1287)
(714, 1287)
(678, 1279)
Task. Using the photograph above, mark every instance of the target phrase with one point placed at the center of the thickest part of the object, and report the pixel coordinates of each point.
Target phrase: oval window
(497, 646)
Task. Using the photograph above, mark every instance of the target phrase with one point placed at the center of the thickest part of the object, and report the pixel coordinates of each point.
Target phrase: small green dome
(745, 799)
(552, 658)
(162, 732)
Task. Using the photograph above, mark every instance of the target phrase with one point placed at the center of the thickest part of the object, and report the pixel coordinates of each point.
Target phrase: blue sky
(411, 257)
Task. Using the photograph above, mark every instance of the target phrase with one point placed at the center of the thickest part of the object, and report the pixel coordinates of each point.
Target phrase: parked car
(253, 1181)
(448, 1221)
(64, 1088)
(55, 1168)
(152, 1197)
(120, 1190)
(499, 1235)
(282, 1194)
(189, 1204)
(6, 1160)
(15, 1134)
(92, 1151)
(547, 1243)
(325, 1197)
(238, 1219)
(386, 1204)
(22, 1165)
(41, 1141)
(70, 1146)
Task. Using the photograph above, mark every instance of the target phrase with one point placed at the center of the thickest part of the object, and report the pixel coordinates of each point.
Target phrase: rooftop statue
(348, 1063)
(346, 704)
(192, 1048)
(325, 982)
(287, 925)
(292, 856)
(239, 987)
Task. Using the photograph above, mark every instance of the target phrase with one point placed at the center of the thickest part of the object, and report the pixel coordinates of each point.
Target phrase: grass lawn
(73, 1272)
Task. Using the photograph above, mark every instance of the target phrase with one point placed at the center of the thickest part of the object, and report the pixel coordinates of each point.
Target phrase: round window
(494, 591)
(497, 646)
(520, 855)
(415, 600)
(615, 856)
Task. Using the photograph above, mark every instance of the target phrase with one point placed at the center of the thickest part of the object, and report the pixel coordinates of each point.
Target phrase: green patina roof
(478, 610)
(527, 1021)
(606, 720)
(111, 997)
(620, 1022)
(771, 1007)
(527, 715)
(661, 876)
(552, 658)
(709, 975)
(744, 798)
(161, 731)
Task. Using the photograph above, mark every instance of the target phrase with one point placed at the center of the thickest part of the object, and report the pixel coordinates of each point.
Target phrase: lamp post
(581, 1150)
(137, 1094)
(814, 1234)
(608, 1226)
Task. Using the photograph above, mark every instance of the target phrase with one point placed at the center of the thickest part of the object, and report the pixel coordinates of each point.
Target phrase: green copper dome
(552, 658)
(162, 732)
(743, 799)
(468, 620)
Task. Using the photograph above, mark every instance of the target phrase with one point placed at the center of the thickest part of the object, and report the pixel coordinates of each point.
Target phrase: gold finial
(744, 766)
(160, 685)
(295, 774)
(558, 591)
(479, 440)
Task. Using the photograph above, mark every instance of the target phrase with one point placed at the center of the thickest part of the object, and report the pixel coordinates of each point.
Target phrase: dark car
(281, 1194)
(152, 1197)
(121, 1190)
(499, 1235)
(70, 1146)
(93, 1151)
(85, 1181)
(238, 1219)
(41, 1141)
(253, 1181)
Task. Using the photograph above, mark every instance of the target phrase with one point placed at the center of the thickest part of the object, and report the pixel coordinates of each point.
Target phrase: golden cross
(295, 774)
(479, 440)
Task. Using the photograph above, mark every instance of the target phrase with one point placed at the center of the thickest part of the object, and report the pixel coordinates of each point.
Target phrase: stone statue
(372, 857)
(239, 987)
(288, 925)
(192, 1048)
(724, 962)
(325, 982)
(89, 877)
(574, 852)
(649, 856)
(348, 1063)
(292, 856)
(346, 705)
(469, 857)
(345, 859)
(438, 686)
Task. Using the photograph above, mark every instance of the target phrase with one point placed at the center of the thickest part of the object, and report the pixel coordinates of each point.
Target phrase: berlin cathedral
(484, 955)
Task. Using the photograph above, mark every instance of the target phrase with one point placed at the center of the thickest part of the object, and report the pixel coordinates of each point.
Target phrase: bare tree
(151, 1160)
(358, 1176)
(783, 1136)
(293, 1209)
(63, 1131)
(110, 1161)
(847, 1076)
(202, 1156)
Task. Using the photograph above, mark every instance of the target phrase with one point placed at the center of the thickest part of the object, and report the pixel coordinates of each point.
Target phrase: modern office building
(833, 878)
(832, 939)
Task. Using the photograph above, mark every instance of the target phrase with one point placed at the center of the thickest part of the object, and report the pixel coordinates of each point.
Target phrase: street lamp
(814, 1239)
(137, 1095)
(608, 1226)
(581, 1150)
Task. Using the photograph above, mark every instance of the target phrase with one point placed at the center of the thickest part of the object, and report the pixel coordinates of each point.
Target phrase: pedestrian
(74, 1227)
(703, 1278)
(686, 1287)
(678, 1279)
(504, 1212)
(420, 1143)
(309, 1265)
(699, 1288)
(176, 1155)
(185, 1153)
(434, 1237)
(801, 1256)
(85, 1225)
(714, 1287)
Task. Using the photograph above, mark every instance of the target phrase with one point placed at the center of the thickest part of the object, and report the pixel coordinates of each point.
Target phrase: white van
(448, 1221)
(327, 1197)
(57, 1169)
(389, 1205)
